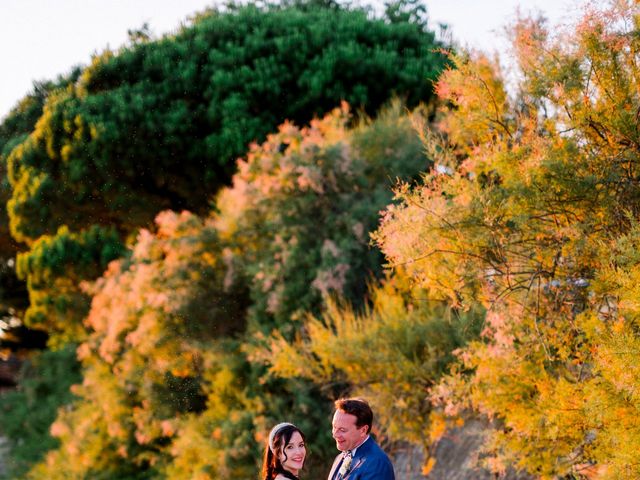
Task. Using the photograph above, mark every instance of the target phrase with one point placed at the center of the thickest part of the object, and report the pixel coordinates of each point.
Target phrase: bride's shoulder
(281, 477)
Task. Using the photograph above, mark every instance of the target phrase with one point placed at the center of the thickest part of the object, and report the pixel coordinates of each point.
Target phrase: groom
(361, 457)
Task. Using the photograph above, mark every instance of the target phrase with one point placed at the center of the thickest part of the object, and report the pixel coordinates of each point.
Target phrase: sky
(40, 39)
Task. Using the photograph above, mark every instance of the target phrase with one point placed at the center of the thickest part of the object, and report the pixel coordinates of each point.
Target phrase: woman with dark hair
(284, 454)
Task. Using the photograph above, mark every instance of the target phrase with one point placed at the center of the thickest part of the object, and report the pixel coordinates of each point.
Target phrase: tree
(159, 320)
(302, 205)
(297, 218)
(55, 267)
(401, 327)
(531, 211)
(159, 124)
(14, 129)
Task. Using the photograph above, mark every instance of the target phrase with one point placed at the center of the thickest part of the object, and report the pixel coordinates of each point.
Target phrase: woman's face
(293, 453)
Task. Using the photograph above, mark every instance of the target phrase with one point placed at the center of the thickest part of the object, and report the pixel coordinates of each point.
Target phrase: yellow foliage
(391, 352)
(531, 211)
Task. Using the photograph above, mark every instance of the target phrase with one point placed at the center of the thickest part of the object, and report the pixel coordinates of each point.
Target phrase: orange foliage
(532, 211)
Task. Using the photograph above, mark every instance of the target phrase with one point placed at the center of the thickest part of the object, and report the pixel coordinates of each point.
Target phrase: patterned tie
(346, 465)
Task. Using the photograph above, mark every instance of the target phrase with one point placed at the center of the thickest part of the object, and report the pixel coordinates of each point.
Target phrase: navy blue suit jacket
(369, 463)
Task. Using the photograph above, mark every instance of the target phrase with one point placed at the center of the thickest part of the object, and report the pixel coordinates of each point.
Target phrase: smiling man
(361, 458)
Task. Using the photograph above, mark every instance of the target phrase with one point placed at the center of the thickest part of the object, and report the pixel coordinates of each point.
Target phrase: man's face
(345, 432)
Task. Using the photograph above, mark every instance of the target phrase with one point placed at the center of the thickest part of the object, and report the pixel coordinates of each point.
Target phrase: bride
(284, 454)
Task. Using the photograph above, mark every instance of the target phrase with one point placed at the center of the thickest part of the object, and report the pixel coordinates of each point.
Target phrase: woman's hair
(359, 408)
(278, 439)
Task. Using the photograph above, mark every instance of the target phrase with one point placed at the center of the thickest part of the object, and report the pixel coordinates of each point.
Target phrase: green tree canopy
(55, 268)
(159, 124)
(14, 129)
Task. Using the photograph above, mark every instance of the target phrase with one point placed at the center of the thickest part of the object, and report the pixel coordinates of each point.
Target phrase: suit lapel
(336, 465)
(358, 458)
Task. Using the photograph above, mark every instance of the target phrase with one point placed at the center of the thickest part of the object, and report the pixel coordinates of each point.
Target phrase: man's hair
(357, 407)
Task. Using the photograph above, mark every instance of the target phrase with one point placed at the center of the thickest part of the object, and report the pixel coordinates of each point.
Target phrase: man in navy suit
(361, 457)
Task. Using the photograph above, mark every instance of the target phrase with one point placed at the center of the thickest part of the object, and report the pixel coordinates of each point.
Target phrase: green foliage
(159, 124)
(167, 390)
(22, 118)
(401, 328)
(401, 11)
(158, 320)
(28, 412)
(532, 213)
(54, 269)
(297, 219)
(14, 129)
(302, 206)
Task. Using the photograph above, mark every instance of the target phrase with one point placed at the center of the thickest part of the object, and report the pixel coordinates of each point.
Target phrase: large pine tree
(159, 124)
